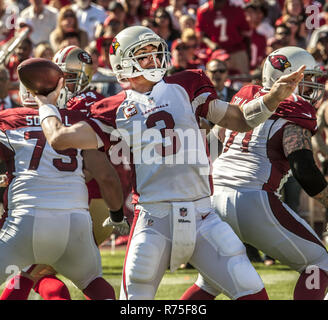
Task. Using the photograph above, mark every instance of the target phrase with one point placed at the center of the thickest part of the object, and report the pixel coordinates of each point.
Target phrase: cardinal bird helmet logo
(113, 47)
(279, 62)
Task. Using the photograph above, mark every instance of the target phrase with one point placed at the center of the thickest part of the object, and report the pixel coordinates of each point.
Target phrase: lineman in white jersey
(173, 221)
(253, 167)
(48, 220)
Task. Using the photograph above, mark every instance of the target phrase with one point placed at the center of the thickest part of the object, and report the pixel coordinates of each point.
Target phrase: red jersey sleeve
(295, 109)
(198, 87)
(105, 112)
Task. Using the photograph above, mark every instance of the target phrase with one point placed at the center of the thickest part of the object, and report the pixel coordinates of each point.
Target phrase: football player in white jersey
(254, 166)
(48, 220)
(77, 67)
(174, 222)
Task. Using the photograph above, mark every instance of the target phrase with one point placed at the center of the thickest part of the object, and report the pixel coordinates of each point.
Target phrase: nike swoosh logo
(309, 115)
(89, 103)
(203, 217)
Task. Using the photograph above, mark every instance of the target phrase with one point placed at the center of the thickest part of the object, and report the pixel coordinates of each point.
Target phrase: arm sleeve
(216, 110)
(306, 172)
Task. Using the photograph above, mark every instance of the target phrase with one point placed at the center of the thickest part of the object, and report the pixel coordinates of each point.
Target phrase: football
(39, 75)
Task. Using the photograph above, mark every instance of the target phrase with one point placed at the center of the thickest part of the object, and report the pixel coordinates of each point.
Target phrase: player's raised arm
(258, 110)
(60, 137)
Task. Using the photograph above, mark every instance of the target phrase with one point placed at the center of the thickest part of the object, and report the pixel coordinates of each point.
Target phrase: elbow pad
(306, 172)
(255, 112)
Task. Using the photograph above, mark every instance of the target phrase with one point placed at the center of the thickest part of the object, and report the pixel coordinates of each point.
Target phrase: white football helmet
(125, 64)
(26, 98)
(287, 60)
(76, 62)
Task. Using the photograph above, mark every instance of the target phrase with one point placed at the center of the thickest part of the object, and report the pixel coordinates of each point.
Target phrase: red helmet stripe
(69, 49)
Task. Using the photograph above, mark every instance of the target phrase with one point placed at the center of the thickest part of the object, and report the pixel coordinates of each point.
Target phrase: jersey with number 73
(39, 175)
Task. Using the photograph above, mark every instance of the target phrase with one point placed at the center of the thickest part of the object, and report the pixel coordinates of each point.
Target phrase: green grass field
(279, 279)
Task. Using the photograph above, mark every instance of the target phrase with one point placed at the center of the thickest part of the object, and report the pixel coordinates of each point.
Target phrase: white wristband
(256, 112)
(48, 110)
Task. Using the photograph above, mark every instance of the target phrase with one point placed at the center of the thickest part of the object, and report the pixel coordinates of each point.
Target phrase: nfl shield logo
(183, 212)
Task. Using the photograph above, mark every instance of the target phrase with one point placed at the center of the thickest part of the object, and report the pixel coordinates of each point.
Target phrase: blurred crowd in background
(240, 33)
(229, 39)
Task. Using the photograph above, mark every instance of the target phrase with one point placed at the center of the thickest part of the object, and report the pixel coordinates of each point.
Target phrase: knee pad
(204, 285)
(144, 257)
(224, 240)
(244, 276)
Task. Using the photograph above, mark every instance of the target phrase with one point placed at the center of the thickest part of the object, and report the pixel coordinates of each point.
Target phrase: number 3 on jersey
(38, 149)
(168, 131)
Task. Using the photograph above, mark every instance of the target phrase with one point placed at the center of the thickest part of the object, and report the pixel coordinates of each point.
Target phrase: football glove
(123, 227)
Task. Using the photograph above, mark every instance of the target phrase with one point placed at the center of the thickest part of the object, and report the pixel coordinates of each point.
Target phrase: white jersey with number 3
(161, 128)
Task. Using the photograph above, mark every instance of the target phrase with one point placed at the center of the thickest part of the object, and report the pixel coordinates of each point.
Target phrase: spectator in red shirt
(258, 41)
(180, 58)
(223, 26)
(158, 4)
(111, 27)
(22, 52)
(194, 51)
(256, 12)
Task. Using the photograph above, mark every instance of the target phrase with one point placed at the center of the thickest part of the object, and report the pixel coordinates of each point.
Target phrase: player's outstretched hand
(286, 85)
(52, 97)
(122, 227)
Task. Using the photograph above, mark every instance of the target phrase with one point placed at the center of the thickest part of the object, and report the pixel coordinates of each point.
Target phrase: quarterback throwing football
(174, 222)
